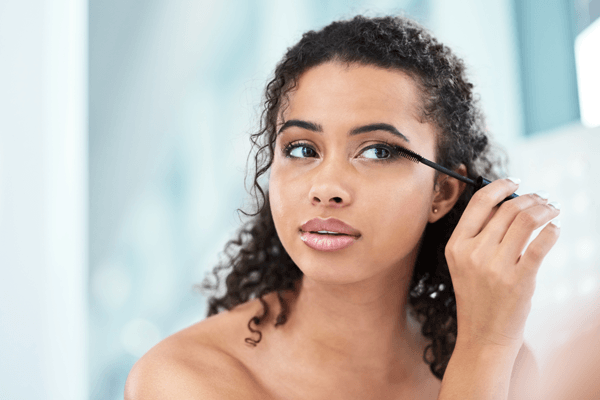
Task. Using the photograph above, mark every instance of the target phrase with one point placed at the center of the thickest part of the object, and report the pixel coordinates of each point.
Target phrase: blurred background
(124, 133)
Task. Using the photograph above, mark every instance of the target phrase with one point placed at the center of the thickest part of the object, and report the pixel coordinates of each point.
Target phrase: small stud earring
(435, 210)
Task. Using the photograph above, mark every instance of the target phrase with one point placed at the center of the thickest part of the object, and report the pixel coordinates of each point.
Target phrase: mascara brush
(477, 183)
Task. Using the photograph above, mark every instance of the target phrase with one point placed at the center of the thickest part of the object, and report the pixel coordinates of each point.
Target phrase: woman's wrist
(490, 345)
(478, 371)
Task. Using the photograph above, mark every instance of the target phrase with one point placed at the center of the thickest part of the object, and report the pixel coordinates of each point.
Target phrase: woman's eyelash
(293, 145)
(394, 151)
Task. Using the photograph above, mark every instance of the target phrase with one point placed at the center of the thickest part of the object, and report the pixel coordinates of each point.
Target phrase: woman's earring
(435, 210)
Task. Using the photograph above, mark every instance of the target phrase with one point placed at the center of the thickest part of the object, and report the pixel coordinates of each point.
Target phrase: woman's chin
(335, 272)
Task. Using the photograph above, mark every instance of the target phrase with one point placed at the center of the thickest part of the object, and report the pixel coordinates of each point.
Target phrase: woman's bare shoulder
(196, 363)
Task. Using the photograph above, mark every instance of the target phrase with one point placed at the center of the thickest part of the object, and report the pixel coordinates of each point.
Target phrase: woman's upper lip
(331, 225)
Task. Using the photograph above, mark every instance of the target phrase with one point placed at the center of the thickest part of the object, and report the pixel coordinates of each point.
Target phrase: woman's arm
(489, 368)
(493, 272)
(478, 372)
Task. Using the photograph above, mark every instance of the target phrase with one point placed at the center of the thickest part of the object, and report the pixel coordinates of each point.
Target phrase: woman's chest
(292, 380)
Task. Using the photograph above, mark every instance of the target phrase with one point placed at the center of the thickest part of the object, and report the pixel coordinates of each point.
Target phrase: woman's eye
(299, 150)
(375, 152)
(378, 153)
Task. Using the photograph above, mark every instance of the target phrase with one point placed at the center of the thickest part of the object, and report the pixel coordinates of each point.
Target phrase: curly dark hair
(256, 262)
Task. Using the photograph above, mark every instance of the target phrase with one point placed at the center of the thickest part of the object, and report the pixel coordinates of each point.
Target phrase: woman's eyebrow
(311, 126)
(378, 127)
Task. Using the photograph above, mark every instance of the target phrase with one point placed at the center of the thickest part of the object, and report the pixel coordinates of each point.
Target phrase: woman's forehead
(357, 89)
(337, 95)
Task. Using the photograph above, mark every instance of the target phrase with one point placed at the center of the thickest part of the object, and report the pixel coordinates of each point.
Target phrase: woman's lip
(324, 242)
(330, 225)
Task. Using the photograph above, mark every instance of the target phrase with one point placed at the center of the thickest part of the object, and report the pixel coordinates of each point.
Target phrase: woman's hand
(493, 278)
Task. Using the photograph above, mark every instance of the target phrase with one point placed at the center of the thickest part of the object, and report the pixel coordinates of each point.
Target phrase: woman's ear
(448, 190)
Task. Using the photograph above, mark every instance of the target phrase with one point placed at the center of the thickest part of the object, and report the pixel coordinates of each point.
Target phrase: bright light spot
(111, 286)
(556, 259)
(586, 248)
(578, 166)
(541, 298)
(587, 60)
(581, 202)
(552, 174)
(138, 336)
(562, 293)
(588, 285)
(160, 286)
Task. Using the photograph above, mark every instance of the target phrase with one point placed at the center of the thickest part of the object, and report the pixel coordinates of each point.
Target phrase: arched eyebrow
(378, 127)
(311, 126)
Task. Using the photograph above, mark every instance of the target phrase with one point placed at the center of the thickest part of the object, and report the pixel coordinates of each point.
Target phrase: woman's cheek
(283, 197)
(403, 216)
(275, 193)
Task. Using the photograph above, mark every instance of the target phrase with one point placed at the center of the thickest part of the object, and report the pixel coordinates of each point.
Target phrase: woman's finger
(522, 227)
(493, 232)
(538, 248)
(481, 204)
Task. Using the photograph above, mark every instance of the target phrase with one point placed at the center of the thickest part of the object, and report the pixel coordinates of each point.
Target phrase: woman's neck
(363, 327)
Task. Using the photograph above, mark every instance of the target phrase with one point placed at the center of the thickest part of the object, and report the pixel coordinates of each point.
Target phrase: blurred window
(546, 35)
(587, 59)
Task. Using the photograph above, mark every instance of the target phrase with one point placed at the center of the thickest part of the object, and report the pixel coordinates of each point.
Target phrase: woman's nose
(329, 188)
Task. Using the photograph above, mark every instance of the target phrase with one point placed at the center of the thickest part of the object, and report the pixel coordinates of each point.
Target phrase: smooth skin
(350, 334)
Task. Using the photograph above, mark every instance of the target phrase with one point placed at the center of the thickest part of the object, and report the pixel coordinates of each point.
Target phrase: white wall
(43, 199)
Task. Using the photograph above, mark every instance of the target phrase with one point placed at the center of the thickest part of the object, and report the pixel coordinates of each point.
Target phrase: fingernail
(543, 194)
(556, 222)
(555, 204)
(516, 181)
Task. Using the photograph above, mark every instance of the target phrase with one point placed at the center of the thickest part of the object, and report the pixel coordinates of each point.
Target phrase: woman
(364, 274)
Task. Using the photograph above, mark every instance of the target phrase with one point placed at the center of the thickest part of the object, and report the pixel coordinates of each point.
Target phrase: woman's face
(332, 161)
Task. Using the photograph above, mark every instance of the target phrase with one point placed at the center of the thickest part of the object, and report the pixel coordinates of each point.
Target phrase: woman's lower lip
(327, 242)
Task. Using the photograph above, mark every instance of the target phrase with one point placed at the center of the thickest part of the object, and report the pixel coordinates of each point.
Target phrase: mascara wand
(477, 183)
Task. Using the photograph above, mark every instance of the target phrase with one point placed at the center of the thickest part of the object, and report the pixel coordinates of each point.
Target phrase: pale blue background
(174, 93)
(124, 133)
